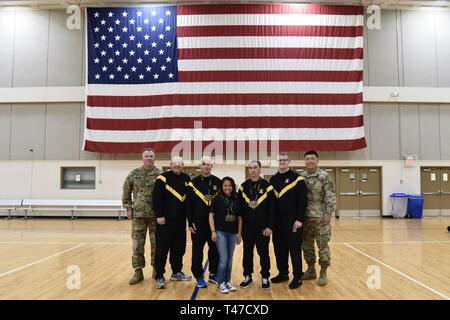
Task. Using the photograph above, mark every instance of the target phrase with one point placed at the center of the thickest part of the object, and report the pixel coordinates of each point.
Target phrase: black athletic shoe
(246, 283)
(295, 283)
(265, 284)
(280, 278)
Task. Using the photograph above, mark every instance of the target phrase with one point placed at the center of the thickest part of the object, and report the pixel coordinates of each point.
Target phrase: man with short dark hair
(137, 200)
(321, 206)
(257, 199)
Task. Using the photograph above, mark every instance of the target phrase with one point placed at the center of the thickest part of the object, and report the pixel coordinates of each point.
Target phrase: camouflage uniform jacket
(140, 183)
(321, 194)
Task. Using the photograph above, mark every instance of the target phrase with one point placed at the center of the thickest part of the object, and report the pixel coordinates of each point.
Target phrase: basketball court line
(69, 242)
(62, 242)
(194, 294)
(347, 244)
(398, 272)
(392, 242)
(41, 260)
(129, 243)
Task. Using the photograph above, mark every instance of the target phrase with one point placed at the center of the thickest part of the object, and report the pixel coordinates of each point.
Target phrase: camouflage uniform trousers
(139, 228)
(314, 230)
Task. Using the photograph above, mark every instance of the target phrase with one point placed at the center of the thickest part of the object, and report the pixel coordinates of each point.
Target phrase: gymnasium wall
(37, 50)
(41, 178)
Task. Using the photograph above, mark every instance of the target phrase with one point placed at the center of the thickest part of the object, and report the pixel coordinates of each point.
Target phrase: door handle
(348, 193)
(445, 192)
(369, 193)
(430, 193)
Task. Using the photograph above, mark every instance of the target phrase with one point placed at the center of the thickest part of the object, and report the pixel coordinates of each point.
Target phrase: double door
(435, 185)
(359, 191)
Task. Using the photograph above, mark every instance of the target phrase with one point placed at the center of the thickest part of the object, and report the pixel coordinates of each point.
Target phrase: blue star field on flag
(132, 45)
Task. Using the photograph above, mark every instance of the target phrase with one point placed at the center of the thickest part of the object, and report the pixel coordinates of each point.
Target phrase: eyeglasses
(283, 160)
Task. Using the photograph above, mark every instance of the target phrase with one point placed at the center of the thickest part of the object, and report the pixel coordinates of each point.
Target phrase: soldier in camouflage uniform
(321, 206)
(140, 183)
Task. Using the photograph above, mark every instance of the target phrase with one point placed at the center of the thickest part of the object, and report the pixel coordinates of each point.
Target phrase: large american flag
(294, 69)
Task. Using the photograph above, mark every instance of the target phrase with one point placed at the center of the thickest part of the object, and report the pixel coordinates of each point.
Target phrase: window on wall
(78, 178)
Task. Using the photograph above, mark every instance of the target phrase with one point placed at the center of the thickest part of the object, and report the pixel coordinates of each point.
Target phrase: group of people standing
(295, 209)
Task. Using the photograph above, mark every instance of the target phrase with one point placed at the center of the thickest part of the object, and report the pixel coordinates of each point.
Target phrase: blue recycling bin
(399, 202)
(415, 206)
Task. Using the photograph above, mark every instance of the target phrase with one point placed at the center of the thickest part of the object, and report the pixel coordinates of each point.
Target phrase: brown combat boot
(323, 276)
(310, 273)
(137, 277)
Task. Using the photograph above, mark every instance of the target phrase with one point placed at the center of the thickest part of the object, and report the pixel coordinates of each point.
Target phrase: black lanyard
(209, 185)
(254, 190)
(229, 205)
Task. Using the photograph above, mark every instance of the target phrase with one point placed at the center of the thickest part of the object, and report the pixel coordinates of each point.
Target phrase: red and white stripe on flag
(296, 68)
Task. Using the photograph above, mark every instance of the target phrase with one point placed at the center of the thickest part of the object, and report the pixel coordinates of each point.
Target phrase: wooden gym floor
(412, 256)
